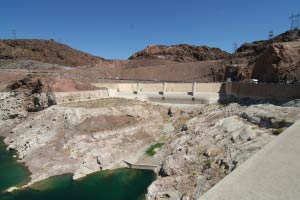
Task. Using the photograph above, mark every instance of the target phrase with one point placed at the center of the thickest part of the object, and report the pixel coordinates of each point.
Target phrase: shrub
(278, 131)
(151, 150)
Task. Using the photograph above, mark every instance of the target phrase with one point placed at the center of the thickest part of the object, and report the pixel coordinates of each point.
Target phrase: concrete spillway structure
(182, 93)
(192, 92)
(189, 93)
(140, 166)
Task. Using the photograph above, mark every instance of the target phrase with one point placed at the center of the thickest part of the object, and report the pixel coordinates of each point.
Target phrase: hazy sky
(118, 28)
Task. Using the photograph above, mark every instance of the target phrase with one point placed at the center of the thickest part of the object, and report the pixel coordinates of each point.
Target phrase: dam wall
(64, 97)
(263, 91)
(187, 87)
(181, 93)
(166, 92)
(203, 92)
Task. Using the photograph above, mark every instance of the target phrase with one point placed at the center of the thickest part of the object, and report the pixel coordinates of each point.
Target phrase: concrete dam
(195, 92)
(184, 93)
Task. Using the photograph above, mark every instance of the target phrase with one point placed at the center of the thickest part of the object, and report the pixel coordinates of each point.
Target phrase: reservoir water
(11, 172)
(121, 184)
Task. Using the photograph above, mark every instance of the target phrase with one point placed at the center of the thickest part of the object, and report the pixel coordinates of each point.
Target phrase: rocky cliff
(258, 47)
(181, 53)
(275, 60)
(214, 142)
(278, 63)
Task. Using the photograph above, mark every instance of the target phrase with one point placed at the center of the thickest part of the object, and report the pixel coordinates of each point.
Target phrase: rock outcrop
(275, 60)
(280, 63)
(82, 139)
(181, 53)
(12, 105)
(258, 47)
(217, 141)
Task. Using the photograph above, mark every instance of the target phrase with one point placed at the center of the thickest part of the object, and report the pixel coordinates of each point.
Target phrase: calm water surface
(121, 184)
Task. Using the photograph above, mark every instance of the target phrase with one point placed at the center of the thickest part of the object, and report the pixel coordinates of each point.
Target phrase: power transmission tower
(271, 34)
(294, 21)
(13, 33)
(235, 47)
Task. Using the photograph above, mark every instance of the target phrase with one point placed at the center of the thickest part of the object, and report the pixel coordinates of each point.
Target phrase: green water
(121, 184)
(11, 172)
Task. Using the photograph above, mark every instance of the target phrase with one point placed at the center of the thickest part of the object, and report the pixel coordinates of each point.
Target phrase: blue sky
(118, 28)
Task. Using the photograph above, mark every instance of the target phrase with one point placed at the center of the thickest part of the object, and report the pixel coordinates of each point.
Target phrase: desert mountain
(276, 60)
(47, 51)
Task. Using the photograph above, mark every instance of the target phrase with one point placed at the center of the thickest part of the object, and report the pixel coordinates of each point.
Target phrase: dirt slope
(47, 51)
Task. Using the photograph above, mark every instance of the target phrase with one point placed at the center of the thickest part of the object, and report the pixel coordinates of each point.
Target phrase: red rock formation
(279, 63)
(181, 53)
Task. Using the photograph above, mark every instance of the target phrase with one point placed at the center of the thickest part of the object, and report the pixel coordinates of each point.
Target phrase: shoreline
(15, 157)
(30, 182)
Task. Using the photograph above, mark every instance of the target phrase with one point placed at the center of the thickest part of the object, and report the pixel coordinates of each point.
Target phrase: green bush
(278, 131)
(151, 150)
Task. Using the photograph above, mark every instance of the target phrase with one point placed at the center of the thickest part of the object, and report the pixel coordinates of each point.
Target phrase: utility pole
(13, 33)
(294, 21)
(271, 34)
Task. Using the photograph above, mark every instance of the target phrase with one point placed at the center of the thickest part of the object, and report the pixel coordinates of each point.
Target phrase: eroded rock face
(275, 60)
(258, 47)
(217, 142)
(12, 105)
(82, 140)
(271, 116)
(279, 63)
(202, 145)
(181, 53)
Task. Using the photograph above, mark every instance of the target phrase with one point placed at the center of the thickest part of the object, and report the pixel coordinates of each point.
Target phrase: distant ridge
(181, 53)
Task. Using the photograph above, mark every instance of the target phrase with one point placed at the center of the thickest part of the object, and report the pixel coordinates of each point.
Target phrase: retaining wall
(158, 87)
(263, 91)
(209, 88)
(152, 87)
(198, 90)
